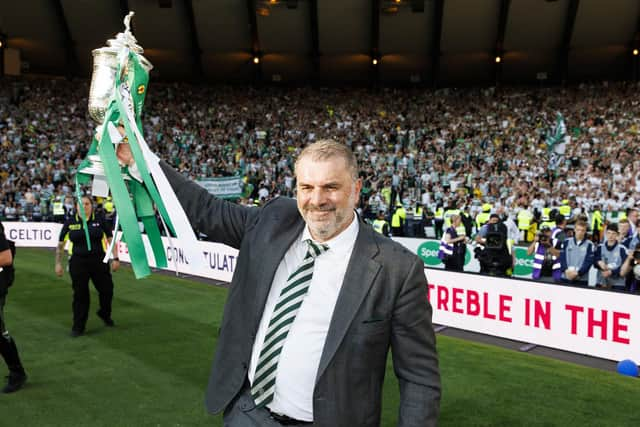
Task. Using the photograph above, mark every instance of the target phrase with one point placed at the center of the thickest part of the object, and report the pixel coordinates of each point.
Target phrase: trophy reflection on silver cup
(105, 67)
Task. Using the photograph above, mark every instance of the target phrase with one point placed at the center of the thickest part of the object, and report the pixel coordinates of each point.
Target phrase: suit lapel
(274, 250)
(361, 272)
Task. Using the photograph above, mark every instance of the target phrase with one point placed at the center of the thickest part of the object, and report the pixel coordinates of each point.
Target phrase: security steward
(58, 210)
(381, 225)
(85, 264)
(483, 217)
(397, 220)
(17, 377)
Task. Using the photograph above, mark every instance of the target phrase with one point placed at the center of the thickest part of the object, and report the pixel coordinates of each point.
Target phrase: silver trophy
(103, 82)
(105, 67)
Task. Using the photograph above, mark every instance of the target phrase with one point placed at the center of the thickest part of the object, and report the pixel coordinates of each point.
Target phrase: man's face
(580, 231)
(623, 227)
(612, 236)
(327, 195)
(633, 217)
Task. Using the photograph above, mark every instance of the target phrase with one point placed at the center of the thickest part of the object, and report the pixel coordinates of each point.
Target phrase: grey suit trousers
(243, 413)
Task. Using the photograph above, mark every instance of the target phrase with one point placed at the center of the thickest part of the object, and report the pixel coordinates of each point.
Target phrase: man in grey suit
(316, 301)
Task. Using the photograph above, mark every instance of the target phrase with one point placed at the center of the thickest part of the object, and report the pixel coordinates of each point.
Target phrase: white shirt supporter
(300, 357)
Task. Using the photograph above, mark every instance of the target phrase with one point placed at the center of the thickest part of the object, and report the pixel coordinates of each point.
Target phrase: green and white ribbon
(136, 199)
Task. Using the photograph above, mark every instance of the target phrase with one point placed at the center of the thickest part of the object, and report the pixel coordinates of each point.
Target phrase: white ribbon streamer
(181, 224)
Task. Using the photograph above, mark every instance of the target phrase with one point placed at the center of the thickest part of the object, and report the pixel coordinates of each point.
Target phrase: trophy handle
(127, 21)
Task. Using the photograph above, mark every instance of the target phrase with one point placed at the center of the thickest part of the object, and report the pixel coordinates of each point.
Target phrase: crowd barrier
(427, 249)
(218, 260)
(595, 323)
(580, 320)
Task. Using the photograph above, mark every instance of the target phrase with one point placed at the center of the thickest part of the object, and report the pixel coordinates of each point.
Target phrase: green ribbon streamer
(144, 196)
(138, 98)
(82, 213)
(126, 212)
(144, 208)
(82, 179)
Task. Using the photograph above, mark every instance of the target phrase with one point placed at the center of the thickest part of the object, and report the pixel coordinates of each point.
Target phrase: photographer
(608, 259)
(546, 266)
(576, 257)
(493, 251)
(631, 269)
(453, 247)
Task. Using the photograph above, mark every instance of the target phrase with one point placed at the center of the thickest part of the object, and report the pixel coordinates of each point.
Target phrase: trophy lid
(125, 39)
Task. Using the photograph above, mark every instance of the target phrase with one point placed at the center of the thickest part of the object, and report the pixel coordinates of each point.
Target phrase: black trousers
(8, 349)
(437, 227)
(454, 263)
(3, 296)
(81, 270)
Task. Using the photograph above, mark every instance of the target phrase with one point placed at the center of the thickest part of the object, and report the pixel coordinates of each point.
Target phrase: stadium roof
(447, 41)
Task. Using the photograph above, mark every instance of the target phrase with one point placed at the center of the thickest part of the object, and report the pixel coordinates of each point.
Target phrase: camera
(494, 240)
(494, 257)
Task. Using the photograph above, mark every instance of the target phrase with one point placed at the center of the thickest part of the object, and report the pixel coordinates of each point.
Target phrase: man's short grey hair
(325, 149)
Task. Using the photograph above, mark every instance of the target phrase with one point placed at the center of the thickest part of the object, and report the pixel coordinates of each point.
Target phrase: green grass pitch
(152, 368)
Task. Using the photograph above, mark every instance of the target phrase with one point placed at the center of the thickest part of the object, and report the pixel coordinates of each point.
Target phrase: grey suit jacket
(382, 304)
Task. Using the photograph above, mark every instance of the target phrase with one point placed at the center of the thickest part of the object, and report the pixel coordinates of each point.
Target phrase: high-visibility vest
(550, 224)
(379, 224)
(596, 220)
(108, 206)
(397, 216)
(417, 213)
(386, 195)
(482, 218)
(546, 218)
(448, 214)
(524, 219)
(565, 210)
(58, 208)
(439, 213)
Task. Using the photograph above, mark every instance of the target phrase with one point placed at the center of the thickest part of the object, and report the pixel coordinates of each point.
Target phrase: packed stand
(423, 153)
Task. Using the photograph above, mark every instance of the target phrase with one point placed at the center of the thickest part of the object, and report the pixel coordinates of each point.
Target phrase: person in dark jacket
(87, 263)
(8, 349)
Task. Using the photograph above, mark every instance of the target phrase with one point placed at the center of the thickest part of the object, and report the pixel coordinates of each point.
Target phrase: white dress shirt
(300, 356)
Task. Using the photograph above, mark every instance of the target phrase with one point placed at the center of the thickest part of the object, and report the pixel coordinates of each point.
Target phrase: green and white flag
(226, 188)
(557, 135)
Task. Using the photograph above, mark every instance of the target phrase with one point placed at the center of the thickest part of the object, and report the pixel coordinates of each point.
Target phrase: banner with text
(595, 323)
(228, 187)
(33, 234)
(220, 259)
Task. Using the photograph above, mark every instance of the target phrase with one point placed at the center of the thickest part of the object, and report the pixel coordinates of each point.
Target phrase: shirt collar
(344, 240)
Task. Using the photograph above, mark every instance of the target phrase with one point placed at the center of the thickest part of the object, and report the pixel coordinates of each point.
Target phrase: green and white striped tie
(284, 314)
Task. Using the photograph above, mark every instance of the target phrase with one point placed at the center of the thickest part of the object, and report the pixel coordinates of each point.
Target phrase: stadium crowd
(424, 151)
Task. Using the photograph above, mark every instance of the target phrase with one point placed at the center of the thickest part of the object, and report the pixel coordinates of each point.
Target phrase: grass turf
(152, 368)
